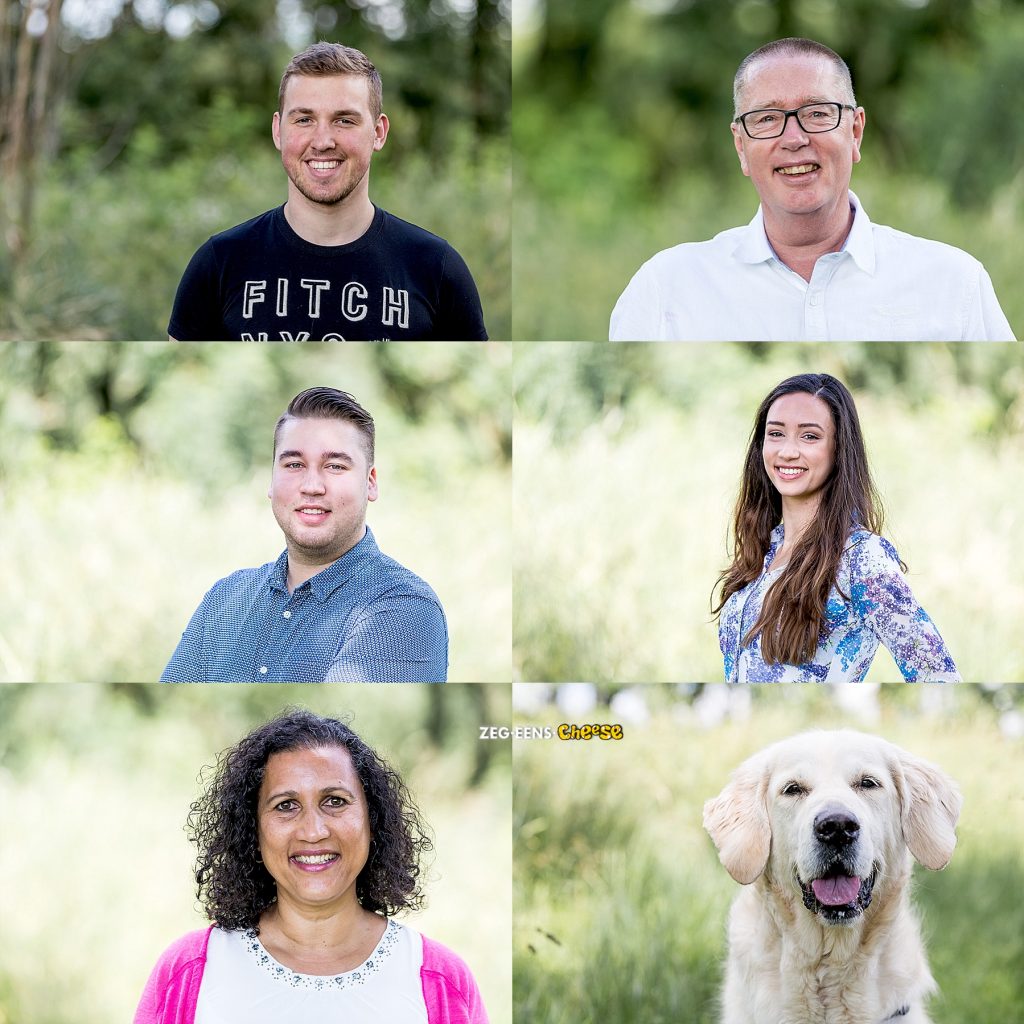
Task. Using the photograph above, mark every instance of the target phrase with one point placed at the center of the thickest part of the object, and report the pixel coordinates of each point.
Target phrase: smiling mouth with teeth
(323, 165)
(794, 471)
(799, 169)
(319, 858)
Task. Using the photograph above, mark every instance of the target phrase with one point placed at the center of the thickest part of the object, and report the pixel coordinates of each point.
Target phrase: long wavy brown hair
(793, 612)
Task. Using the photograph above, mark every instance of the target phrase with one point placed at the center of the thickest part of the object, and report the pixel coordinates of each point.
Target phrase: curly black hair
(232, 883)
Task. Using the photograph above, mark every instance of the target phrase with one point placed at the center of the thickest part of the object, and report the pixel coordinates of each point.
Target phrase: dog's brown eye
(792, 789)
(869, 783)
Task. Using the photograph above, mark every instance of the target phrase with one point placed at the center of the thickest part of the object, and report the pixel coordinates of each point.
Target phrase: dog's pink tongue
(834, 892)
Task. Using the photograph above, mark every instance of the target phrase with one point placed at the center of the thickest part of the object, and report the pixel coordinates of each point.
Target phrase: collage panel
(633, 463)
(147, 147)
(766, 171)
(625, 910)
(138, 475)
(139, 780)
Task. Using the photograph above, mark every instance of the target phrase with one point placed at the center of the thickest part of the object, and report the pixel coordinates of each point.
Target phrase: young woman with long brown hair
(813, 587)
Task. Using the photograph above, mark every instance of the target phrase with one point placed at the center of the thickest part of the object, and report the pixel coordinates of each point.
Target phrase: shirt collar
(335, 575)
(754, 247)
(860, 243)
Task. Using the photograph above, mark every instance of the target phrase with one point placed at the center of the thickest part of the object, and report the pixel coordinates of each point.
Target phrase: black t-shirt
(260, 281)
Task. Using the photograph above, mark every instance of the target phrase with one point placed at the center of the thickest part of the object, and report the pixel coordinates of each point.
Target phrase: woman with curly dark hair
(813, 586)
(308, 843)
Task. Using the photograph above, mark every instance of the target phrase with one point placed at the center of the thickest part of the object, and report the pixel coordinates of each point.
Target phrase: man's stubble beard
(329, 200)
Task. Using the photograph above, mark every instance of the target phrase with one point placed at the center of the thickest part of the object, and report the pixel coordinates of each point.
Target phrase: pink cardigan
(172, 991)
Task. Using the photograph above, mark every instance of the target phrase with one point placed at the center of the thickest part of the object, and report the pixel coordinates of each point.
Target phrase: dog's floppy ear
(930, 806)
(737, 821)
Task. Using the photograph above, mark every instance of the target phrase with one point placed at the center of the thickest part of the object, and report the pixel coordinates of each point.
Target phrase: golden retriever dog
(820, 829)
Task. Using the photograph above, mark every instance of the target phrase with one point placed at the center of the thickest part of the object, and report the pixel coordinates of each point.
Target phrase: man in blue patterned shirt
(332, 608)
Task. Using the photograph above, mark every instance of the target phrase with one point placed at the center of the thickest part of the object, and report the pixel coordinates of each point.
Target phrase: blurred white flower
(629, 706)
(1011, 724)
(576, 699)
(531, 698)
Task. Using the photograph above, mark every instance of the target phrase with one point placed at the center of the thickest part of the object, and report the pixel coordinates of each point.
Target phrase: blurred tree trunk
(788, 20)
(26, 85)
(486, 39)
(439, 720)
(483, 750)
(6, 10)
(437, 716)
(12, 157)
(571, 38)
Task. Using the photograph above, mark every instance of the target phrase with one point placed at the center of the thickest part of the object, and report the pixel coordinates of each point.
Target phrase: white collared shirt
(884, 285)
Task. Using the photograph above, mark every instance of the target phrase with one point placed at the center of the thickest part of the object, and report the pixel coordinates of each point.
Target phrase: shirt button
(815, 299)
(263, 670)
(287, 615)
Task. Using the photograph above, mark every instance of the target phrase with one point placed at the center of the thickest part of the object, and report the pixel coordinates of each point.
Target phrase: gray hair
(791, 47)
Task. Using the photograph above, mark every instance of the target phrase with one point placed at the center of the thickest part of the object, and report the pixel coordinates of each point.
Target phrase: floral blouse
(881, 607)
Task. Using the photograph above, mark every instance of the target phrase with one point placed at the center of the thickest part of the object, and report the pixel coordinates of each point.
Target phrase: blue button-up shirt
(364, 618)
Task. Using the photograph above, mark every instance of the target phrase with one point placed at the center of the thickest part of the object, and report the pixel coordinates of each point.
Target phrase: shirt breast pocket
(911, 323)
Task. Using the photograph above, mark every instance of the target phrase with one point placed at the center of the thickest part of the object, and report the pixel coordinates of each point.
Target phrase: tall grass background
(627, 467)
(98, 865)
(621, 903)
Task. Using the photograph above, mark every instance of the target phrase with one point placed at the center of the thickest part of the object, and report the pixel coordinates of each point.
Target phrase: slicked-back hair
(322, 59)
(793, 613)
(791, 47)
(329, 404)
(232, 882)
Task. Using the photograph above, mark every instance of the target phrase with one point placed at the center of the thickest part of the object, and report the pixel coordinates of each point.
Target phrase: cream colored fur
(787, 964)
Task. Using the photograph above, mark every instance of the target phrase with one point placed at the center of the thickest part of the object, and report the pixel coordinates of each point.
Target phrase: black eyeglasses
(771, 122)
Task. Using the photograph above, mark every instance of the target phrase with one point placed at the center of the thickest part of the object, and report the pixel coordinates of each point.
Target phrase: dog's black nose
(836, 828)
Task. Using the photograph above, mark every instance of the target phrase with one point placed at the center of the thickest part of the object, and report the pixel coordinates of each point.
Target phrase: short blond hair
(323, 59)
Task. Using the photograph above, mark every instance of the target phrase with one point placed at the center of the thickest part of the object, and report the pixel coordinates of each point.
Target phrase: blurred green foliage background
(138, 129)
(622, 143)
(94, 901)
(627, 468)
(621, 903)
(134, 475)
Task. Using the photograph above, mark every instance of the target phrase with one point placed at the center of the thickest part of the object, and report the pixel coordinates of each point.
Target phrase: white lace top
(244, 984)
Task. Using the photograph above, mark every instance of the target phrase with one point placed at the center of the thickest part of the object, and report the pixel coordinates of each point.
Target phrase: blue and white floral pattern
(881, 608)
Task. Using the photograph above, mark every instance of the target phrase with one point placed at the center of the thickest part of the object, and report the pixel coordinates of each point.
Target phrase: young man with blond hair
(328, 265)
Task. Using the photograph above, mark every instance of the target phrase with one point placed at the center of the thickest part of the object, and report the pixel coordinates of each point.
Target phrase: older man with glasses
(811, 265)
